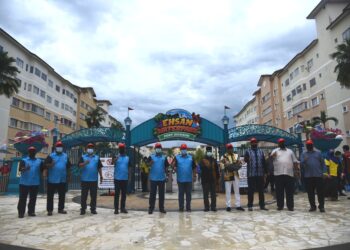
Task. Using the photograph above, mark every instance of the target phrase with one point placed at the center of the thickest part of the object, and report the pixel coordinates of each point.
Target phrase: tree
(8, 83)
(94, 118)
(342, 56)
(323, 118)
(198, 155)
(117, 125)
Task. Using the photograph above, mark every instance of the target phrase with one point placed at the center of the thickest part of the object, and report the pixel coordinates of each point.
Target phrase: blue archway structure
(262, 133)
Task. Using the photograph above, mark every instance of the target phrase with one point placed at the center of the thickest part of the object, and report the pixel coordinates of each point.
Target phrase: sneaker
(116, 211)
(240, 208)
(264, 208)
(312, 209)
(228, 209)
(124, 211)
(82, 212)
(93, 212)
(49, 213)
(62, 211)
(162, 211)
(31, 214)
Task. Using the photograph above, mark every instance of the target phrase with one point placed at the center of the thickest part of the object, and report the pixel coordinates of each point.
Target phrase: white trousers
(228, 185)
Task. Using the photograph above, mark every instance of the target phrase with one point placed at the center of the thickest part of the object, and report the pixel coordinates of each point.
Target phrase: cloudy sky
(156, 55)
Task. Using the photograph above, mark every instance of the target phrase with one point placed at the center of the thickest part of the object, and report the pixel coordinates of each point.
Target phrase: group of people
(286, 168)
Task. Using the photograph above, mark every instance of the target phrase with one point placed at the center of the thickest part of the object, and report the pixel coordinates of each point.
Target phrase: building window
(62, 105)
(322, 96)
(294, 92)
(63, 91)
(1, 48)
(31, 69)
(289, 114)
(57, 103)
(291, 130)
(310, 63)
(291, 76)
(75, 100)
(312, 82)
(67, 93)
(13, 122)
(320, 75)
(74, 113)
(26, 106)
(58, 88)
(19, 62)
(66, 107)
(346, 34)
(48, 116)
(35, 90)
(267, 111)
(49, 99)
(36, 109)
(345, 109)
(29, 87)
(289, 98)
(42, 93)
(264, 99)
(286, 83)
(27, 67)
(37, 72)
(299, 108)
(304, 86)
(44, 76)
(335, 40)
(299, 89)
(296, 72)
(50, 83)
(55, 118)
(315, 101)
(15, 102)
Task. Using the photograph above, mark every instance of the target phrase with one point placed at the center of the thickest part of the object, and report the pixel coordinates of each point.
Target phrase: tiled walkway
(197, 230)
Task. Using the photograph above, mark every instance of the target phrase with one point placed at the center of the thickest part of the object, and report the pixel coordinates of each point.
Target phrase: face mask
(183, 152)
(309, 147)
(59, 150)
(282, 146)
(121, 151)
(158, 150)
(254, 145)
(90, 151)
(31, 155)
(209, 154)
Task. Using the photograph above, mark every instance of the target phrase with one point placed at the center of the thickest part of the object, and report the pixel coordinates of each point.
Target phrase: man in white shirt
(284, 162)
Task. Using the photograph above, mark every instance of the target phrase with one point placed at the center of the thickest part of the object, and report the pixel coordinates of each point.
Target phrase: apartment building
(45, 99)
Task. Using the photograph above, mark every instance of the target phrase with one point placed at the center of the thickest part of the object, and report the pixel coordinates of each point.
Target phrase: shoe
(206, 210)
(62, 211)
(322, 210)
(82, 212)
(214, 209)
(312, 209)
(291, 209)
(116, 211)
(250, 209)
(31, 214)
(21, 216)
(342, 194)
(150, 211)
(181, 210)
(280, 208)
(188, 210)
(93, 212)
(228, 209)
(49, 213)
(124, 211)
(264, 208)
(240, 208)
(162, 211)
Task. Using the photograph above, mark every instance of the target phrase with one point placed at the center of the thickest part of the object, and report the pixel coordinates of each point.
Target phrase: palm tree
(342, 56)
(323, 119)
(198, 155)
(94, 118)
(118, 125)
(8, 83)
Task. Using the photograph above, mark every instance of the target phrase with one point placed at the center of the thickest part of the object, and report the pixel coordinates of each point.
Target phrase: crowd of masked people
(324, 176)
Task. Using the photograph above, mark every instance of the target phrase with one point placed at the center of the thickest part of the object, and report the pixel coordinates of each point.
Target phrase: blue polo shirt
(31, 177)
(158, 168)
(121, 168)
(58, 172)
(90, 170)
(184, 168)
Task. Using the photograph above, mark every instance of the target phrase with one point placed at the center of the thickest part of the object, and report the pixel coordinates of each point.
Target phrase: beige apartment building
(307, 84)
(45, 99)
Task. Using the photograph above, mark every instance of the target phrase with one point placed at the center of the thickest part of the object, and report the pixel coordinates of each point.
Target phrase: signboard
(243, 179)
(107, 174)
(177, 123)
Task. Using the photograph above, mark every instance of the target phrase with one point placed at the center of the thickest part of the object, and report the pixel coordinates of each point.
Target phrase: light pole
(225, 120)
(55, 134)
(298, 129)
(128, 122)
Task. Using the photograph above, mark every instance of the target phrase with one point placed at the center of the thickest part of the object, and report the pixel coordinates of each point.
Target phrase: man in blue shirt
(121, 176)
(184, 166)
(159, 165)
(314, 170)
(58, 166)
(30, 168)
(91, 166)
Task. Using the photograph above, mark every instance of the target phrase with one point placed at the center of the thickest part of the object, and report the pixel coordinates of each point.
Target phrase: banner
(243, 179)
(107, 174)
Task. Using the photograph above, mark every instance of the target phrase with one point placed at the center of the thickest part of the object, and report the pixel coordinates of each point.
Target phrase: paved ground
(197, 230)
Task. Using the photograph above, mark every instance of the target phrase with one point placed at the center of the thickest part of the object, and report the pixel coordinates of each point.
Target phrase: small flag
(227, 107)
(130, 108)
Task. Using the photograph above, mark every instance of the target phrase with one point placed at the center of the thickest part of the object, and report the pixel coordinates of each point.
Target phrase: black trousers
(87, 186)
(144, 180)
(23, 194)
(270, 180)
(185, 187)
(120, 186)
(331, 187)
(284, 184)
(312, 184)
(209, 187)
(161, 192)
(51, 190)
(256, 184)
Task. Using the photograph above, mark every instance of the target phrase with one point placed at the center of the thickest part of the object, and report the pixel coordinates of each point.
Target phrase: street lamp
(298, 129)
(55, 132)
(128, 122)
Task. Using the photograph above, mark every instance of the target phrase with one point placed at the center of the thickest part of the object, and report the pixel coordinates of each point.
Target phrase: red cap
(253, 140)
(309, 142)
(59, 144)
(229, 145)
(121, 145)
(90, 145)
(158, 145)
(183, 146)
(31, 148)
(280, 140)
